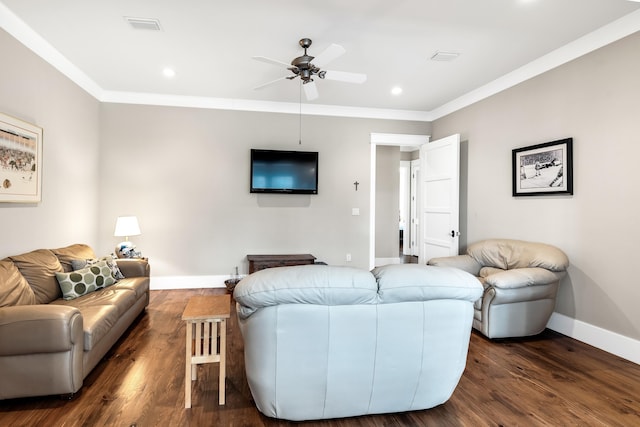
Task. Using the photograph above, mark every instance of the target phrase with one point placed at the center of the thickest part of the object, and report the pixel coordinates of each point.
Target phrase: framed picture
(20, 161)
(543, 169)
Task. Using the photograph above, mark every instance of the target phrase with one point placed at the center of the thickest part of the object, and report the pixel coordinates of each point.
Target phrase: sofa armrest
(523, 277)
(463, 262)
(40, 328)
(134, 267)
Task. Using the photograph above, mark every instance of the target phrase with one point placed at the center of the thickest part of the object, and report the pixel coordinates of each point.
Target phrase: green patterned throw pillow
(78, 264)
(86, 280)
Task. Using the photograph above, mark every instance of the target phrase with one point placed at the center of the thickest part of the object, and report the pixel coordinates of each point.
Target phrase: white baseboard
(611, 342)
(187, 282)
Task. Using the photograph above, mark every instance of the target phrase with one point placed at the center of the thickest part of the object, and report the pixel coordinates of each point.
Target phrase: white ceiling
(210, 45)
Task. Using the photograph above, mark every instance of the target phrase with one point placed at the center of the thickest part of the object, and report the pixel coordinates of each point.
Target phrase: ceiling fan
(304, 68)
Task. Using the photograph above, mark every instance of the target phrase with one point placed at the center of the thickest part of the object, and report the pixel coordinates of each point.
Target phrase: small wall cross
(356, 185)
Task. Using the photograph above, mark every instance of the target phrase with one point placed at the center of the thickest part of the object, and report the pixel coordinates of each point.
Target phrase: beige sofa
(520, 281)
(48, 344)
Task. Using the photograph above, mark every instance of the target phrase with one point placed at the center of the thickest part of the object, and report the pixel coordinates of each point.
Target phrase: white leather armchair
(520, 281)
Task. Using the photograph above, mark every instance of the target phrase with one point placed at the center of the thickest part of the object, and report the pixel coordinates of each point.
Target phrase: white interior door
(405, 205)
(440, 194)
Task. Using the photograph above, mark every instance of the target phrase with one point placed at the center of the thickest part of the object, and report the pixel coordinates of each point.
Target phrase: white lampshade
(127, 226)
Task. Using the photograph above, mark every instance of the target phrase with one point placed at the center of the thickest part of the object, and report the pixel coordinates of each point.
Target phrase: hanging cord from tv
(300, 117)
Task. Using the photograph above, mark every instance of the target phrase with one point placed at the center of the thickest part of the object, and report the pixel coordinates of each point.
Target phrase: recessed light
(396, 90)
(168, 72)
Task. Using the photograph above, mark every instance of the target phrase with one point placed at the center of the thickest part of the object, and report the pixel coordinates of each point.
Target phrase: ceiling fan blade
(310, 90)
(269, 83)
(329, 54)
(343, 76)
(271, 61)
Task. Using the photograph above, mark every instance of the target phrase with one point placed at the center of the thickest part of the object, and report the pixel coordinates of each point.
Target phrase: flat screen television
(288, 172)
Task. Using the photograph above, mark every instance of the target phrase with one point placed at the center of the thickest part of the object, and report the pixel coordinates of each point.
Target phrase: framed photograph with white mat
(20, 161)
(543, 169)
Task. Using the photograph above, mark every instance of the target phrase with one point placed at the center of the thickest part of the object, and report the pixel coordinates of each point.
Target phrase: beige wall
(31, 90)
(185, 173)
(594, 99)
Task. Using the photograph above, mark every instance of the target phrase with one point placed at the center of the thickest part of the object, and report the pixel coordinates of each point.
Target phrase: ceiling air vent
(444, 56)
(143, 23)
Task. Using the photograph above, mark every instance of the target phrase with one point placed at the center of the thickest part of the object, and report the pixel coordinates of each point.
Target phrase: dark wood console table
(260, 262)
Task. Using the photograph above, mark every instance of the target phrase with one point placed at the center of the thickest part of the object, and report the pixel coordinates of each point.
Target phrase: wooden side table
(260, 262)
(206, 324)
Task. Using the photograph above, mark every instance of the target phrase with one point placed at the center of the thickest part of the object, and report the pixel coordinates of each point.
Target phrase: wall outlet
(348, 257)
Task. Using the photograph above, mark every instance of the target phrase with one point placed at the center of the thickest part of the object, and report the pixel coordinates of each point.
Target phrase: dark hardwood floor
(408, 259)
(549, 380)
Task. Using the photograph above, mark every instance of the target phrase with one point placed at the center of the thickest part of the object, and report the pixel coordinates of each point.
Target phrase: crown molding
(607, 34)
(261, 106)
(398, 139)
(32, 40)
(603, 36)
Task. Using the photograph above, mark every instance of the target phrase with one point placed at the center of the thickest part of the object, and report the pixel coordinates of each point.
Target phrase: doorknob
(454, 233)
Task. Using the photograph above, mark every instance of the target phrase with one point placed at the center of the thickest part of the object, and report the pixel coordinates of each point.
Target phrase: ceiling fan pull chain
(300, 117)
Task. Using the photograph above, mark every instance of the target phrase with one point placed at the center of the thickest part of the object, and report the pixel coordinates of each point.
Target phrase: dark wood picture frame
(543, 169)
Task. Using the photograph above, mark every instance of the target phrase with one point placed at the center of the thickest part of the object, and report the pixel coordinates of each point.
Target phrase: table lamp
(126, 226)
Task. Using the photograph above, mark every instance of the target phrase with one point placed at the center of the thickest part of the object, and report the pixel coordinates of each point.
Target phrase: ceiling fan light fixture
(303, 67)
(305, 75)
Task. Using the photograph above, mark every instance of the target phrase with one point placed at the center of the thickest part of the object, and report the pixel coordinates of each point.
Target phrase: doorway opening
(411, 224)
(438, 217)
